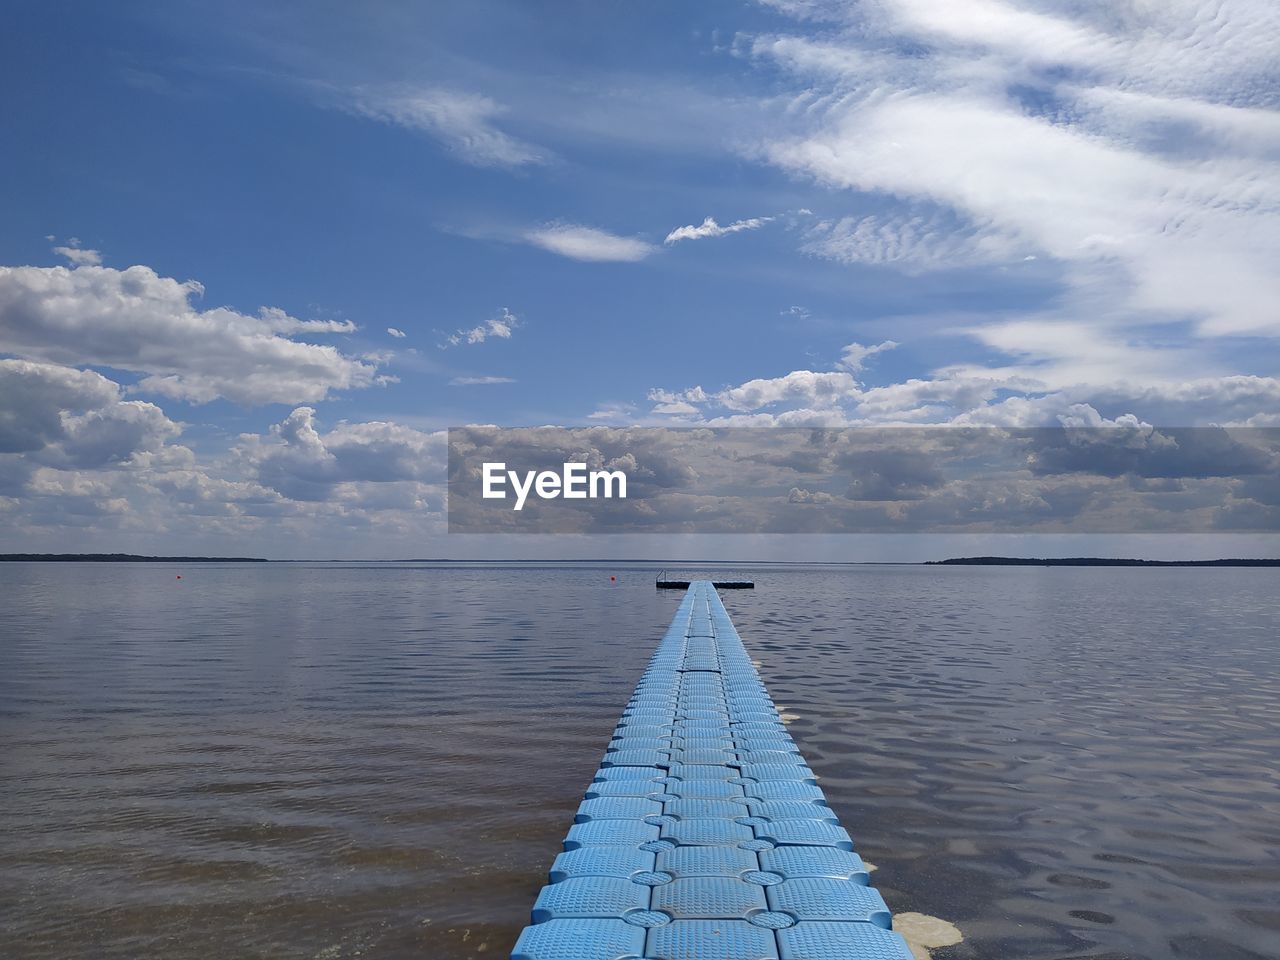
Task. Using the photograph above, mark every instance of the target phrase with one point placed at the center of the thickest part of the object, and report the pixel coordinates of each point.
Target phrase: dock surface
(664, 583)
(703, 835)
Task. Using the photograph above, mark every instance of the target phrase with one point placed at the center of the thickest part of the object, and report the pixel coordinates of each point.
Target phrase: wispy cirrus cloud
(465, 123)
(854, 356)
(912, 241)
(709, 228)
(1134, 152)
(621, 412)
(578, 242)
(479, 381)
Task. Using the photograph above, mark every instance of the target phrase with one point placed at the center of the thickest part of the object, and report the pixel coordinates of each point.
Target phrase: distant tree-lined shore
(954, 561)
(125, 558)
(1096, 562)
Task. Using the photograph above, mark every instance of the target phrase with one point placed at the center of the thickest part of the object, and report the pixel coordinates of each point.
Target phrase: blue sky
(977, 212)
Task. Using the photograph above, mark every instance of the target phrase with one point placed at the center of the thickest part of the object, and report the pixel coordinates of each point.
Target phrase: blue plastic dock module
(703, 835)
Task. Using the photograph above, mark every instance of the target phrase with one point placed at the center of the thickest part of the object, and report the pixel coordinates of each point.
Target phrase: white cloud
(973, 396)
(932, 400)
(80, 462)
(613, 411)
(139, 321)
(77, 255)
(398, 334)
(682, 403)
(1142, 172)
(301, 463)
(710, 228)
(463, 122)
(909, 241)
(499, 327)
(588, 243)
(478, 381)
(803, 387)
(1024, 182)
(35, 395)
(55, 416)
(1061, 352)
(675, 408)
(854, 356)
(800, 495)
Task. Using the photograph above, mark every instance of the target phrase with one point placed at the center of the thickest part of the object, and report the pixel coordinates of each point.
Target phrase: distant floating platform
(718, 584)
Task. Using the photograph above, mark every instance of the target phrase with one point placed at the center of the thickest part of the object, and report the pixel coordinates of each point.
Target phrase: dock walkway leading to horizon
(704, 836)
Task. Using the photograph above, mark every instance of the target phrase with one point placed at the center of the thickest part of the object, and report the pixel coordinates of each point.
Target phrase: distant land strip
(125, 558)
(1096, 562)
(953, 561)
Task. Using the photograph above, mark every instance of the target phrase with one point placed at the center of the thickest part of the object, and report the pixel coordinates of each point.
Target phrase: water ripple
(335, 760)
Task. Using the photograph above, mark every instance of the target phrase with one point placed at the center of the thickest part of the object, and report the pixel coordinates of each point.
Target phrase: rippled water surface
(337, 760)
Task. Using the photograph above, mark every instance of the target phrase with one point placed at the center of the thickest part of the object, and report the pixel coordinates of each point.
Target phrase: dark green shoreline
(1094, 562)
(123, 558)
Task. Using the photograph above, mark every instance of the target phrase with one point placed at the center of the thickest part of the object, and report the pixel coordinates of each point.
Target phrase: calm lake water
(337, 760)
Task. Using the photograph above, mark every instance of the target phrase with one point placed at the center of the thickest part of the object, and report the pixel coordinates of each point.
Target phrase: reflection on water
(335, 760)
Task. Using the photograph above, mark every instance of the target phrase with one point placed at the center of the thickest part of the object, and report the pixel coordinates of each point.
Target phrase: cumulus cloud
(801, 495)
(75, 455)
(803, 387)
(72, 449)
(971, 395)
(590, 244)
(354, 498)
(797, 396)
(57, 416)
(678, 403)
(398, 334)
(138, 321)
(499, 327)
(1098, 475)
(77, 255)
(300, 462)
(709, 228)
(463, 122)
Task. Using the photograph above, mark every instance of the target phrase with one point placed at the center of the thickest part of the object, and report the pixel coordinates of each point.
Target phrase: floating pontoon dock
(666, 583)
(703, 835)
(719, 584)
